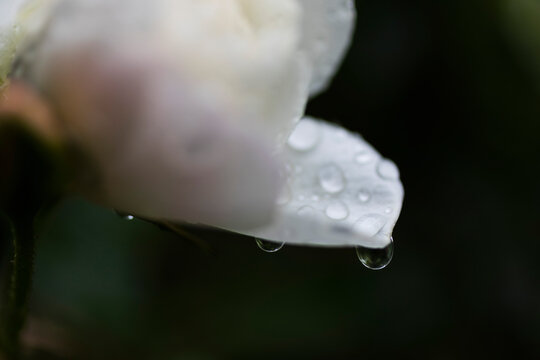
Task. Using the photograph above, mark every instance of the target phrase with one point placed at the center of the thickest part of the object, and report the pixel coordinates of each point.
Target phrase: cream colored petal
(327, 29)
(158, 145)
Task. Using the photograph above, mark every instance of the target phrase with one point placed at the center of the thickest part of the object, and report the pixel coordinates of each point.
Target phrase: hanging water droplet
(363, 157)
(364, 196)
(305, 136)
(268, 246)
(331, 179)
(388, 170)
(337, 211)
(125, 216)
(376, 259)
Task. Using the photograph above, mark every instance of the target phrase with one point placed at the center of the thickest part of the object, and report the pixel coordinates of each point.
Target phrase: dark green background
(445, 90)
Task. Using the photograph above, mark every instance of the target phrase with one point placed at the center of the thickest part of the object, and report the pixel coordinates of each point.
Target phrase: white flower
(185, 110)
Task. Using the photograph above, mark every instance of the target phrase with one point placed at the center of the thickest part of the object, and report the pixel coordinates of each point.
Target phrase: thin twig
(20, 274)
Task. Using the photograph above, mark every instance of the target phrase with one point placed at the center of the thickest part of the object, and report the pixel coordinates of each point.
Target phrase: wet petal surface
(339, 191)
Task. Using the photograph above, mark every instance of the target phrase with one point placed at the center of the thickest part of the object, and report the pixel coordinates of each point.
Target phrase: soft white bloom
(185, 110)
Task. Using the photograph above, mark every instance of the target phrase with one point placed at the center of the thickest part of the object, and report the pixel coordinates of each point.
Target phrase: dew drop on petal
(331, 179)
(268, 246)
(307, 211)
(363, 157)
(125, 216)
(305, 136)
(337, 211)
(364, 196)
(388, 170)
(376, 259)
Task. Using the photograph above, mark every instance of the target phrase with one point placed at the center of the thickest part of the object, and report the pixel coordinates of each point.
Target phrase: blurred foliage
(523, 27)
(31, 172)
(443, 89)
(31, 179)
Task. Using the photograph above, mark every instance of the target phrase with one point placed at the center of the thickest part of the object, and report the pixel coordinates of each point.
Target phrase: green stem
(19, 286)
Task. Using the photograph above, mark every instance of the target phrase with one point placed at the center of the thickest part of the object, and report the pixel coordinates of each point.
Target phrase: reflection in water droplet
(369, 225)
(376, 259)
(337, 211)
(364, 196)
(305, 136)
(388, 210)
(125, 216)
(268, 246)
(388, 170)
(363, 157)
(331, 179)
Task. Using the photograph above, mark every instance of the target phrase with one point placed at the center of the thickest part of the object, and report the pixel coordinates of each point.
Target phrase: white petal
(161, 146)
(340, 191)
(327, 27)
(8, 10)
(247, 50)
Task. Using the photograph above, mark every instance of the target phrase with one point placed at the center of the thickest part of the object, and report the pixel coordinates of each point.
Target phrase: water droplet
(307, 211)
(305, 136)
(369, 225)
(268, 246)
(337, 211)
(388, 170)
(364, 196)
(125, 216)
(363, 157)
(376, 259)
(331, 179)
